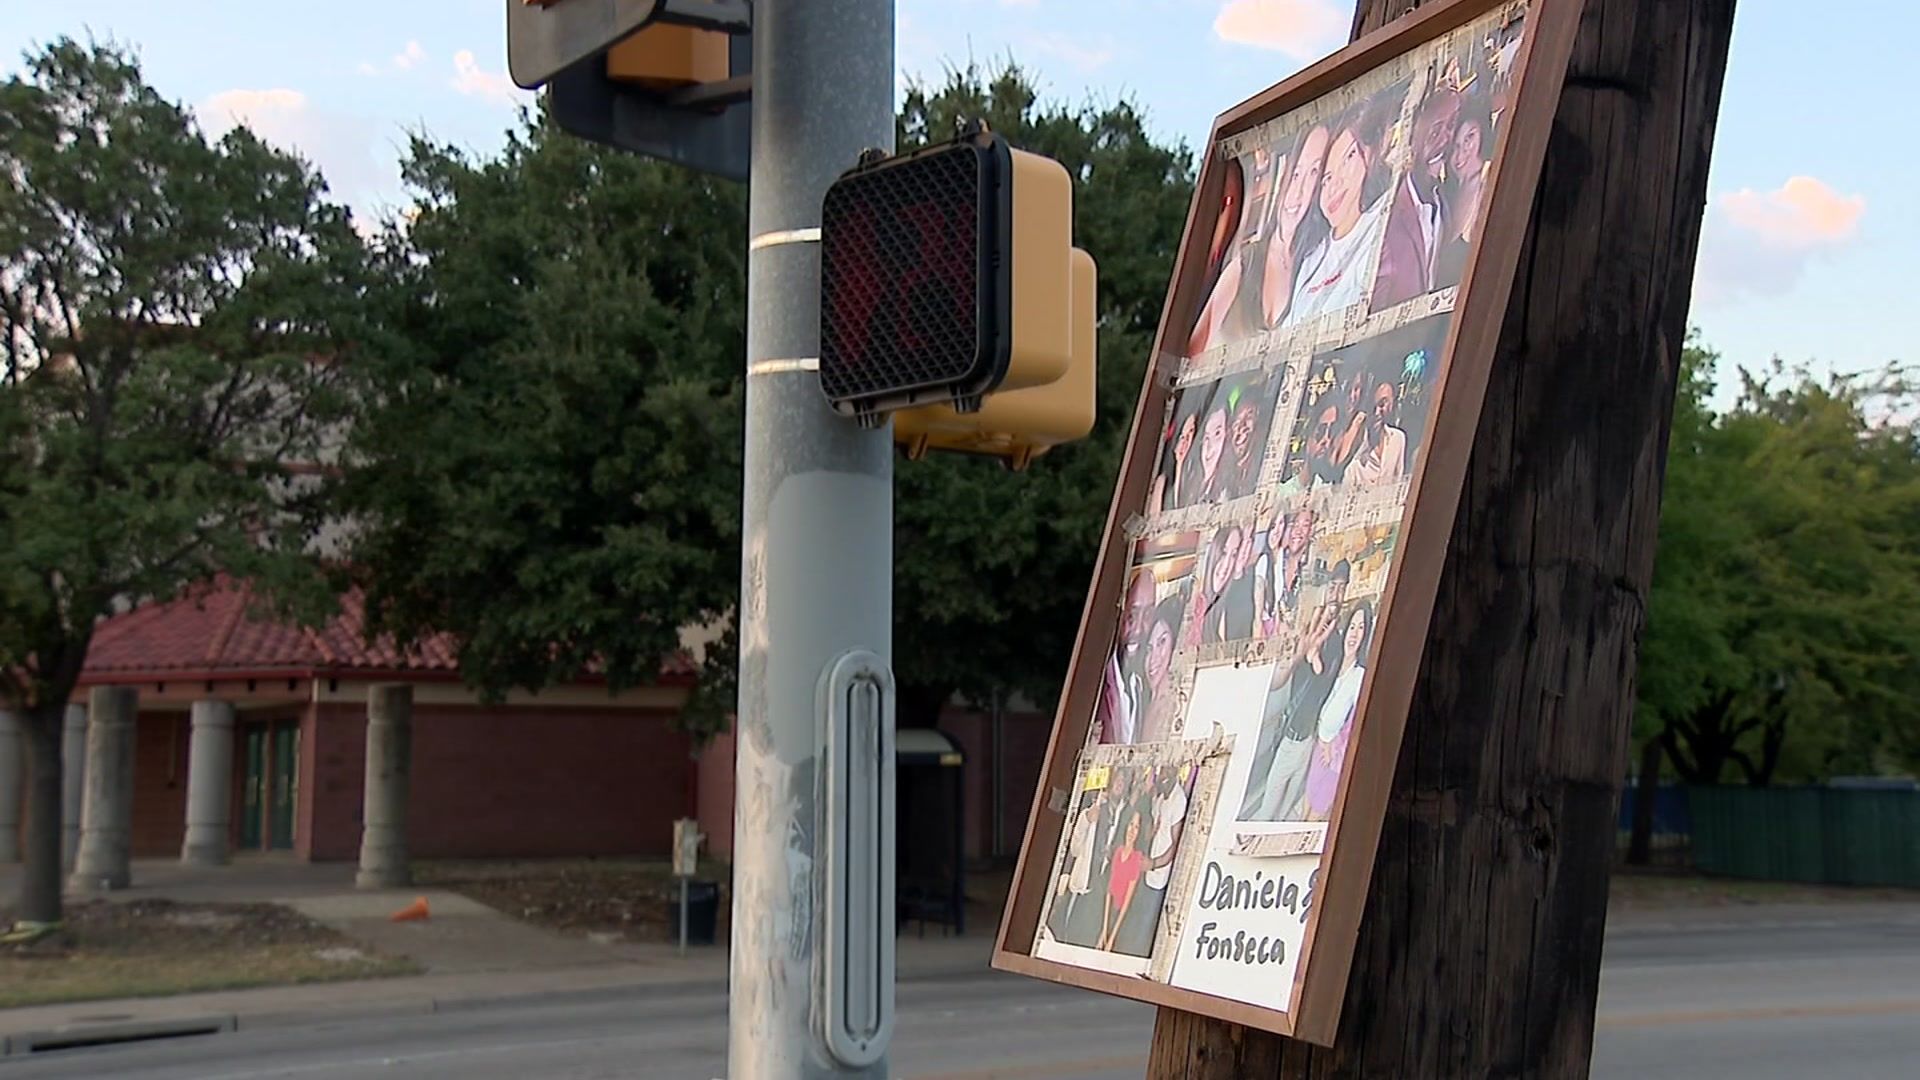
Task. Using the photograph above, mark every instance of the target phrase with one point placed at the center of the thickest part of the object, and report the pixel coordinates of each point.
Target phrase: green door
(253, 792)
(285, 784)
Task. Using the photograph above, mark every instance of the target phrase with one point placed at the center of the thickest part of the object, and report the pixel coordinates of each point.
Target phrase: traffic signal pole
(812, 925)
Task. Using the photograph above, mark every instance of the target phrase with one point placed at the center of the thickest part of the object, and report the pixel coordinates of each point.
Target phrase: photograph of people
(1334, 728)
(1415, 228)
(1123, 686)
(1208, 480)
(1231, 310)
(1250, 407)
(1123, 878)
(1223, 602)
(1467, 165)
(1317, 463)
(1161, 706)
(1117, 862)
(1366, 422)
(1336, 273)
(1297, 225)
(1353, 412)
(1226, 229)
(1135, 698)
(1177, 463)
(1079, 910)
(1277, 779)
(1076, 880)
(1169, 818)
(1279, 570)
(1381, 457)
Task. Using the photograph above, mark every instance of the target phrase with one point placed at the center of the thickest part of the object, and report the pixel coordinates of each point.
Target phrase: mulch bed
(151, 925)
(629, 900)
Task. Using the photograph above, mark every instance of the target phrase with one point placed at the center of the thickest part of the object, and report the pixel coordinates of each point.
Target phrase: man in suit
(1414, 223)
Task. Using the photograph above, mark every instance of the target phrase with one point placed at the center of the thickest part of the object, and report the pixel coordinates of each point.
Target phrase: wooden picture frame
(1306, 1002)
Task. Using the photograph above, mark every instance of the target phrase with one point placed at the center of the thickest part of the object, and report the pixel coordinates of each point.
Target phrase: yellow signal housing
(1020, 425)
(1040, 247)
(667, 56)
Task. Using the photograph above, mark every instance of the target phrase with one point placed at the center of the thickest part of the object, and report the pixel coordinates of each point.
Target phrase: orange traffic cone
(414, 912)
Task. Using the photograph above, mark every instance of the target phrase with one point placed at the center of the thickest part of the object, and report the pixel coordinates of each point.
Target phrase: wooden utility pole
(1479, 950)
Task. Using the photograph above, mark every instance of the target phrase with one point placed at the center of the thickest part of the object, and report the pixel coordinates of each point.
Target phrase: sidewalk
(472, 954)
(642, 972)
(475, 955)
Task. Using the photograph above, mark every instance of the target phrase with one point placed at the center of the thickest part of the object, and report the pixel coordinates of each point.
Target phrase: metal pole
(683, 916)
(817, 558)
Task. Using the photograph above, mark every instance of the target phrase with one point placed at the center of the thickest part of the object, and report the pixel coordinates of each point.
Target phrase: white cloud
(471, 79)
(1072, 49)
(1759, 243)
(342, 147)
(1303, 29)
(409, 56)
(276, 115)
(1802, 213)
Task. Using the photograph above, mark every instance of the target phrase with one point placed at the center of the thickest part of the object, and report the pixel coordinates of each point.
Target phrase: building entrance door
(270, 793)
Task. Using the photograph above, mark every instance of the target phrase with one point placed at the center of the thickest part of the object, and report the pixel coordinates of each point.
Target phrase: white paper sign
(1247, 915)
(1243, 932)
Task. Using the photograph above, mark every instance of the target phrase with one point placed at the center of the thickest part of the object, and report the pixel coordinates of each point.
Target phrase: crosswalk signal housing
(945, 276)
(1019, 425)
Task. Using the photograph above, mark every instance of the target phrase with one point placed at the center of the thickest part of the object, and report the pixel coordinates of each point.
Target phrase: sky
(1809, 233)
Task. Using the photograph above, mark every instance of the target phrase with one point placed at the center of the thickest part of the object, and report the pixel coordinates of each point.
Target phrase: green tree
(182, 318)
(553, 476)
(991, 567)
(1786, 599)
(563, 439)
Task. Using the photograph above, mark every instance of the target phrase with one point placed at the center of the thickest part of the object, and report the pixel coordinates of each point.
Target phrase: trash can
(703, 912)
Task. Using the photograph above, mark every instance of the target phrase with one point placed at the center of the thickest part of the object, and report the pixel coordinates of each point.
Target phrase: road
(1833, 994)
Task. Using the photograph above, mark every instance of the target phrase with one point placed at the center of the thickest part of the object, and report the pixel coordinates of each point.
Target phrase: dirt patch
(149, 948)
(606, 900)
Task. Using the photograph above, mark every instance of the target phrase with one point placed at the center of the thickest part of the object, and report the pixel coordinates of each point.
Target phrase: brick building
(545, 775)
(572, 771)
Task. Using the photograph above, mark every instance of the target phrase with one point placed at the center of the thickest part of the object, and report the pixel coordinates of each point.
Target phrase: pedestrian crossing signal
(945, 277)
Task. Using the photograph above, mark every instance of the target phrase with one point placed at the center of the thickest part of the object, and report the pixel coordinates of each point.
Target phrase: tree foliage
(182, 320)
(1785, 611)
(992, 567)
(553, 476)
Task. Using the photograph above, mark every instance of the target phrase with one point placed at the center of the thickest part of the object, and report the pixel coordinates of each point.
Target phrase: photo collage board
(1207, 797)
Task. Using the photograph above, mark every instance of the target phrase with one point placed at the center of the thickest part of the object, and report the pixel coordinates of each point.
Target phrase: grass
(155, 948)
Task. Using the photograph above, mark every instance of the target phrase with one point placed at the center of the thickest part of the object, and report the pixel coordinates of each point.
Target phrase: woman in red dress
(1128, 864)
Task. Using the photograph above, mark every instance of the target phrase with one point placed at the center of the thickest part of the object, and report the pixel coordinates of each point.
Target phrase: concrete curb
(653, 990)
(74, 1036)
(640, 989)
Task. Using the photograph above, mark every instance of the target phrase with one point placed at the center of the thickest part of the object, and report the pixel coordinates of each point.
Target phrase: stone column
(73, 761)
(13, 771)
(103, 862)
(383, 836)
(209, 784)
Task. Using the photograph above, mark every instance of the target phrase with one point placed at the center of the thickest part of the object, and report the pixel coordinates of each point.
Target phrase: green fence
(1833, 836)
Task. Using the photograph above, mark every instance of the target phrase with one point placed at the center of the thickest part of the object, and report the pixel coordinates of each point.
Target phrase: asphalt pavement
(1831, 992)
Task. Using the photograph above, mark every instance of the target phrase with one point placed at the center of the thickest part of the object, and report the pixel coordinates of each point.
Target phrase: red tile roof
(210, 632)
